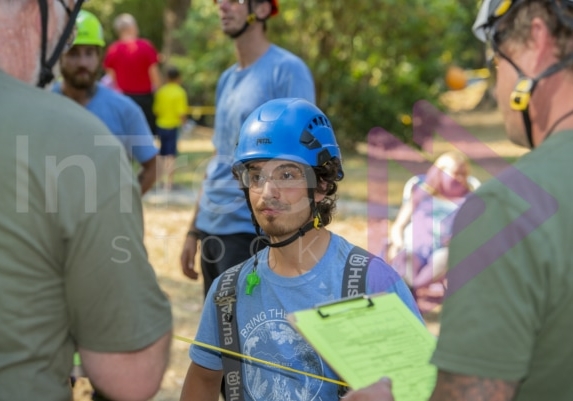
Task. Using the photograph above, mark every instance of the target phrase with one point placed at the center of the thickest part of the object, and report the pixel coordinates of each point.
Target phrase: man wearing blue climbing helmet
(290, 130)
(288, 164)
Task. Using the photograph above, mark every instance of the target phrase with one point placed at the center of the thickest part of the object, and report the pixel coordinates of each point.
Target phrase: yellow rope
(250, 358)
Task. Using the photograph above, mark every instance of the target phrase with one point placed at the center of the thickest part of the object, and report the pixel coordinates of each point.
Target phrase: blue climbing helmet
(289, 129)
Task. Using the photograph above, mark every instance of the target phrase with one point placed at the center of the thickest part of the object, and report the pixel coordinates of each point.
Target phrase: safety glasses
(287, 176)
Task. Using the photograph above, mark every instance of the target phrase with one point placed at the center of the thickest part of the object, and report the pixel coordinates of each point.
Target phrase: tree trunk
(174, 16)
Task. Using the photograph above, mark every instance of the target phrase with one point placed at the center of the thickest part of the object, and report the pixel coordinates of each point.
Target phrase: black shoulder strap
(226, 301)
(354, 279)
(354, 282)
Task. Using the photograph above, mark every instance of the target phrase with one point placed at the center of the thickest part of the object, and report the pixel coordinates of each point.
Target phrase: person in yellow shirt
(170, 108)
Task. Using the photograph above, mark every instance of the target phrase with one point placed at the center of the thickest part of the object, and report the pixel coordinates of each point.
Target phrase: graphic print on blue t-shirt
(298, 355)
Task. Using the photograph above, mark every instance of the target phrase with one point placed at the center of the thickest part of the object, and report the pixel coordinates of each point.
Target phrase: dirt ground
(165, 229)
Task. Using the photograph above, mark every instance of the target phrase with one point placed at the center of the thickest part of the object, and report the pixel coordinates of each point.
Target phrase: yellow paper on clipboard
(368, 337)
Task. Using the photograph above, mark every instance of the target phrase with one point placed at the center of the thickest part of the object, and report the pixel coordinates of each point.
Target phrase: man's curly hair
(326, 177)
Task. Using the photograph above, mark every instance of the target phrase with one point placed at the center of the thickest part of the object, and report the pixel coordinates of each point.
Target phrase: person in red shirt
(133, 65)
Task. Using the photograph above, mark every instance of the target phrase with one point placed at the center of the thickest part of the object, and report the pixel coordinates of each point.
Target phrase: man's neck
(300, 256)
(81, 96)
(250, 46)
(557, 108)
(128, 37)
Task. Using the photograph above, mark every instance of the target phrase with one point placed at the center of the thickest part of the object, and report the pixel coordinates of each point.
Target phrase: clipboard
(367, 337)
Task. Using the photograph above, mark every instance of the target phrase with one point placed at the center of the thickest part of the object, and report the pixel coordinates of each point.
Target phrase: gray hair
(124, 21)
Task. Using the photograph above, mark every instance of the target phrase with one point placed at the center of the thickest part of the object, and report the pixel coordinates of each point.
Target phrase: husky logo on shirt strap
(354, 279)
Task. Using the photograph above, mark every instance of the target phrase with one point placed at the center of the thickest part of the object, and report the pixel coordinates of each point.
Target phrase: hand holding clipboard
(368, 337)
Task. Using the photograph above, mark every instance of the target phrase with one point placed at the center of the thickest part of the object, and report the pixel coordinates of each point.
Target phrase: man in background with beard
(80, 67)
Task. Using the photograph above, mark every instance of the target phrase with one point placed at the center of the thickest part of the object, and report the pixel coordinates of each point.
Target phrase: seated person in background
(422, 230)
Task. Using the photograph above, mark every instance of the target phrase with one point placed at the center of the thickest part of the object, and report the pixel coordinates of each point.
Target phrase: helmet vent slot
(309, 140)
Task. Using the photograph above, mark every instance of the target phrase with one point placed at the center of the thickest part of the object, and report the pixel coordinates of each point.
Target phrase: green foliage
(371, 60)
(209, 52)
(148, 13)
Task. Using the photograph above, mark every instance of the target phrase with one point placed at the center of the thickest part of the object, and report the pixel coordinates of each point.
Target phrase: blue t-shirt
(265, 333)
(276, 74)
(125, 119)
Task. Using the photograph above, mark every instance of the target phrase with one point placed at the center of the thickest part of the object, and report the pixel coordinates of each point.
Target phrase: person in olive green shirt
(507, 320)
(73, 267)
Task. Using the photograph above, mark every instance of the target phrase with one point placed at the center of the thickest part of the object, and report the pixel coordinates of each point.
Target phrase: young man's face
(278, 191)
(234, 13)
(80, 66)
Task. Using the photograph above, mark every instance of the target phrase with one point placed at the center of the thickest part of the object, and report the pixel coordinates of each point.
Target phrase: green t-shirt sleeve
(115, 303)
(495, 297)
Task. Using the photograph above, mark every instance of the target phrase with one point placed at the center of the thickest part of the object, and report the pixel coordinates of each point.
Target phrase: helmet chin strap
(253, 278)
(250, 19)
(300, 233)
(46, 65)
(314, 223)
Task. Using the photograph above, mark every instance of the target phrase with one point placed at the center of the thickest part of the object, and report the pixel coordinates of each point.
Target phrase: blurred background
(371, 60)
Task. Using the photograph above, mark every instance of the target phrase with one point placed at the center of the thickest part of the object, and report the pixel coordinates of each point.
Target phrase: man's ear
(263, 10)
(319, 192)
(543, 43)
